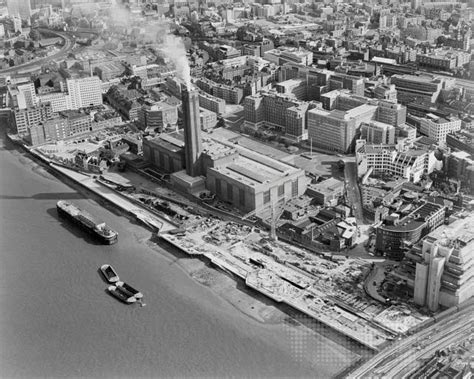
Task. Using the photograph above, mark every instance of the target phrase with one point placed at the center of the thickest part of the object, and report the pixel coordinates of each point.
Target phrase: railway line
(403, 354)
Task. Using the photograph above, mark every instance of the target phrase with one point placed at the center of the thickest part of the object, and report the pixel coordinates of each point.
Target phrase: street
(352, 189)
(68, 46)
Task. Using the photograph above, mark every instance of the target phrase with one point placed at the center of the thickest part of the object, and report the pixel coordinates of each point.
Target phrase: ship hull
(90, 230)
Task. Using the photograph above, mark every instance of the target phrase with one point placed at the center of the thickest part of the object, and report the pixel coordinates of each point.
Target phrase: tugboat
(99, 230)
(109, 273)
(129, 290)
(115, 292)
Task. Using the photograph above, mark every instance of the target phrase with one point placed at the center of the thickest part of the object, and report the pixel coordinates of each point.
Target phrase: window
(241, 197)
(281, 190)
(230, 193)
(294, 188)
(266, 197)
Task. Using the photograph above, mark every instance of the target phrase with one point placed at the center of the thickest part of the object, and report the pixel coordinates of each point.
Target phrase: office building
(285, 54)
(388, 160)
(336, 130)
(23, 95)
(411, 87)
(208, 119)
(437, 127)
(157, 116)
(293, 87)
(443, 59)
(84, 92)
(386, 92)
(343, 81)
(282, 113)
(391, 113)
(375, 132)
(440, 269)
(21, 8)
(401, 231)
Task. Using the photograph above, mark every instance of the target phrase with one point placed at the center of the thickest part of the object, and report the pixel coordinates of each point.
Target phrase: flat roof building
(440, 269)
(336, 130)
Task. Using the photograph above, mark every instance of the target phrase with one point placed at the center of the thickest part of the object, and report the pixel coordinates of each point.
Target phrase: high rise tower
(192, 131)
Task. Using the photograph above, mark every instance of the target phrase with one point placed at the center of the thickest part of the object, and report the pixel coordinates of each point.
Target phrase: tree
(107, 154)
(440, 41)
(35, 35)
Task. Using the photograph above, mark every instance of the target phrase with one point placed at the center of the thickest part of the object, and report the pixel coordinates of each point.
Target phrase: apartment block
(230, 94)
(211, 103)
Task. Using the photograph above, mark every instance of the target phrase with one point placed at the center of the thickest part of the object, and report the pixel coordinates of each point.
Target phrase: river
(57, 320)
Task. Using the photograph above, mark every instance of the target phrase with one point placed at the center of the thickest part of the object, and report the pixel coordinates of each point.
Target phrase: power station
(192, 131)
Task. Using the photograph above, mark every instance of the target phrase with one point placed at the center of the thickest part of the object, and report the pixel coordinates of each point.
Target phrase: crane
(275, 215)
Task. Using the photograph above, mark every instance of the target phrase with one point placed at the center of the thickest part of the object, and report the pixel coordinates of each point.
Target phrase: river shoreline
(260, 310)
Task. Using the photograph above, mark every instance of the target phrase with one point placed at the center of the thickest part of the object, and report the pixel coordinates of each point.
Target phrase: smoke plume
(171, 46)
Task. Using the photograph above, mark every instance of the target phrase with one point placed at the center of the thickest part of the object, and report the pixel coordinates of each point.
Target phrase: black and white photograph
(237, 189)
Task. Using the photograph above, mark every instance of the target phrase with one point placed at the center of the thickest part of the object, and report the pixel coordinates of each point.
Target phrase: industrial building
(246, 179)
(27, 117)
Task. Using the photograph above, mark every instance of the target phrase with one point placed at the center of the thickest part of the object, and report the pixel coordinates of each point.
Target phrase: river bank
(57, 320)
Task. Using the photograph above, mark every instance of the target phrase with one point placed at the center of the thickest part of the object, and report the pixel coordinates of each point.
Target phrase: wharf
(284, 285)
(141, 214)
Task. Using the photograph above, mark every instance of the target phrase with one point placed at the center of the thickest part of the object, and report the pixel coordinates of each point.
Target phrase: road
(403, 355)
(353, 192)
(68, 46)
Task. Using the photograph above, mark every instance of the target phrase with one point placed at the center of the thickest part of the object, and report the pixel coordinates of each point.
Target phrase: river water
(56, 318)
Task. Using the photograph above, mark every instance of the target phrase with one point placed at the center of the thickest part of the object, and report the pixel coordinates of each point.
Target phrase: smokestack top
(188, 87)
